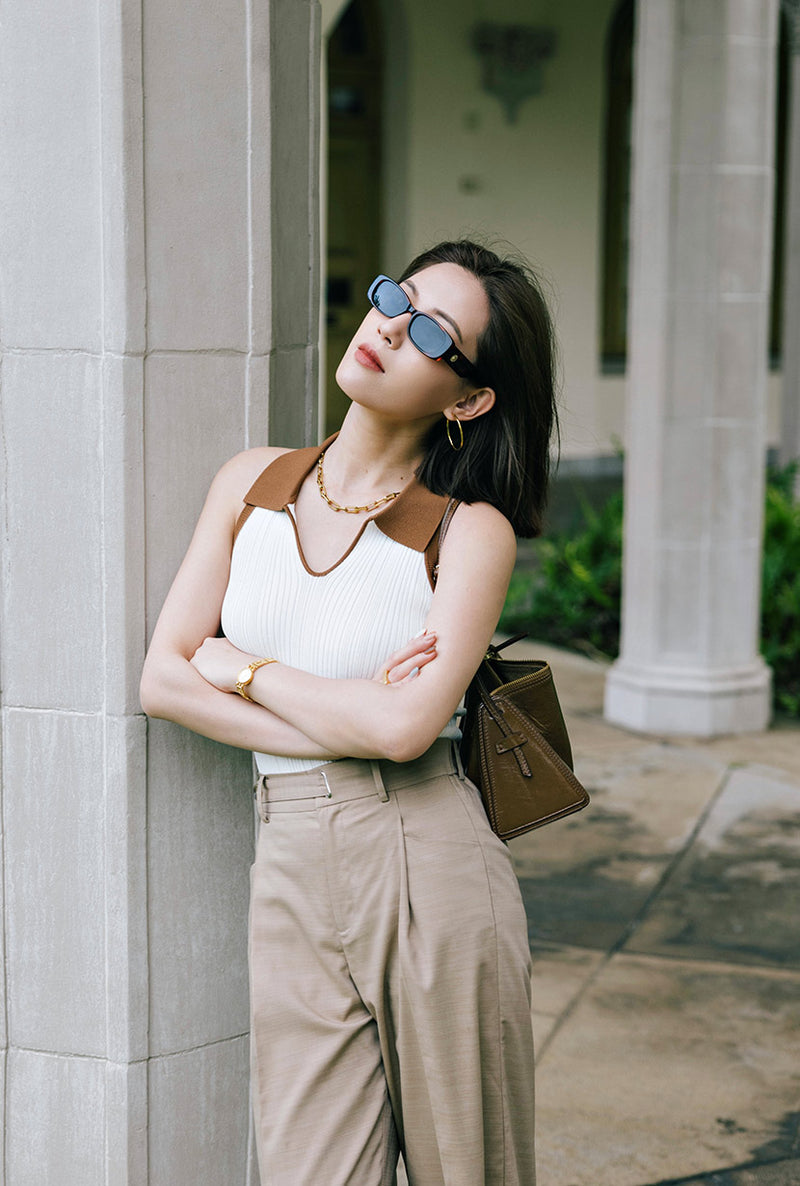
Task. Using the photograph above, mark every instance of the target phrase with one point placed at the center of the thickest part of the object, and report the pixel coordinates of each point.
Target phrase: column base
(694, 701)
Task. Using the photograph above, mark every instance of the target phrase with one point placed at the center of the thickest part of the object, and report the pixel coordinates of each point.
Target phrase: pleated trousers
(390, 981)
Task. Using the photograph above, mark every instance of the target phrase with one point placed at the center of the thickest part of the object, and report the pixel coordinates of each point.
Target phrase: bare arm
(362, 718)
(171, 687)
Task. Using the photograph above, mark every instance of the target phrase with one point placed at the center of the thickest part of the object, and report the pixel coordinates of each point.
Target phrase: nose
(393, 329)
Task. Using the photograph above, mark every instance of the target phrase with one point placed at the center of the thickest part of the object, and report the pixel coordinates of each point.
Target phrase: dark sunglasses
(426, 334)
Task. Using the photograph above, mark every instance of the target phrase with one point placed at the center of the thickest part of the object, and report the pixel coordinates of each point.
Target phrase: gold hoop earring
(460, 444)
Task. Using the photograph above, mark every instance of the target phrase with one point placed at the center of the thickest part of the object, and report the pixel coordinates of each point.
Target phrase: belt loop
(457, 759)
(380, 789)
(261, 800)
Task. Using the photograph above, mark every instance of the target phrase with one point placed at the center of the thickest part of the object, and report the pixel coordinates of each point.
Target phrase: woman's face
(383, 370)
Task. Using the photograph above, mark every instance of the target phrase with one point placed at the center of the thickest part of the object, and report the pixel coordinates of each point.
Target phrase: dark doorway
(354, 184)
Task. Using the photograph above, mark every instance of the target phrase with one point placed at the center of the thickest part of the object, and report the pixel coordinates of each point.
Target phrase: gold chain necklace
(350, 510)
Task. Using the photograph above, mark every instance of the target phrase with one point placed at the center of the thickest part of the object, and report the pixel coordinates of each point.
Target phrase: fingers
(407, 663)
(415, 646)
(410, 669)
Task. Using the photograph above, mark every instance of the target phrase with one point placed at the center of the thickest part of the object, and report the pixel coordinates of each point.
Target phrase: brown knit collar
(411, 519)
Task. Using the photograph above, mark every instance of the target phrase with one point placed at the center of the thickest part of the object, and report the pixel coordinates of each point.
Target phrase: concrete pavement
(663, 924)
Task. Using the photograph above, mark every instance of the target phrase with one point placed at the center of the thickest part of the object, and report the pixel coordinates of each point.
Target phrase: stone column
(790, 395)
(159, 289)
(695, 447)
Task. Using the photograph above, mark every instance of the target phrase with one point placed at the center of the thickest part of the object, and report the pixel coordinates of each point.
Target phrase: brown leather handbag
(515, 747)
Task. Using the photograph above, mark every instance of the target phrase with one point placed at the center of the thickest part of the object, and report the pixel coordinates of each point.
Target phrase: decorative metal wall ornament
(512, 58)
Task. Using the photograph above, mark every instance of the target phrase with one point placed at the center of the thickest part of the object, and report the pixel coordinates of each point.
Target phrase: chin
(348, 373)
(343, 385)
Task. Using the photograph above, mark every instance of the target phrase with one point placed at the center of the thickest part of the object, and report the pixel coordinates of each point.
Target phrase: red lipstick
(368, 358)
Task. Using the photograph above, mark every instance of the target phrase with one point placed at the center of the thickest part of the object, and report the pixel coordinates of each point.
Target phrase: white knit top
(342, 623)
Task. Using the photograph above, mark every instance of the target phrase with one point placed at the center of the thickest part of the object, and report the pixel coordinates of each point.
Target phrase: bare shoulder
(233, 480)
(236, 476)
(481, 529)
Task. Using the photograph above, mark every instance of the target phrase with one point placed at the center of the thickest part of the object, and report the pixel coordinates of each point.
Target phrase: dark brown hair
(505, 460)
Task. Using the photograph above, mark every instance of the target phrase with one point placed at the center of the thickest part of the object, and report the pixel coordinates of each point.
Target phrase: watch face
(244, 676)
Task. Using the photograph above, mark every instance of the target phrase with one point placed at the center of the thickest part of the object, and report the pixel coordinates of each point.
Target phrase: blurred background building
(419, 148)
(516, 123)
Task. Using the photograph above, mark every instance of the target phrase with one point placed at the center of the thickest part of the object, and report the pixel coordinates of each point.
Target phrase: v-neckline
(412, 519)
(290, 511)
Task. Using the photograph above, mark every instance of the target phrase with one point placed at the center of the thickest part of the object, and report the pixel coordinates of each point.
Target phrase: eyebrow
(441, 312)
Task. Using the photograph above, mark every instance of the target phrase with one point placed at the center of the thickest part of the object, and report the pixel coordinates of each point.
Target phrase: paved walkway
(664, 926)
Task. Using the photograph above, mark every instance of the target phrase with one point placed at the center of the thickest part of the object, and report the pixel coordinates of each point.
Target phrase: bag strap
(452, 506)
(435, 546)
(494, 651)
(496, 707)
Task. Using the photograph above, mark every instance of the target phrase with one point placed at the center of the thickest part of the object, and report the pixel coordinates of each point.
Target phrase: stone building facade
(159, 279)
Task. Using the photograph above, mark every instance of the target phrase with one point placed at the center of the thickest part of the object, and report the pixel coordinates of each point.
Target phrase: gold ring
(386, 676)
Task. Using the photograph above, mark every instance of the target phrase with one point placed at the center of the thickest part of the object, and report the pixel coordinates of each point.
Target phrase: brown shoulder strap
(244, 515)
(434, 547)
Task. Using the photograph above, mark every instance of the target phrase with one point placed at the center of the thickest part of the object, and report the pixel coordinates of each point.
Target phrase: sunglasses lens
(426, 334)
(389, 298)
(429, 337)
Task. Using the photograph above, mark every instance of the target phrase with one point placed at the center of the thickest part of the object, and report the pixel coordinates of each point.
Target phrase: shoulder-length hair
(505, 459)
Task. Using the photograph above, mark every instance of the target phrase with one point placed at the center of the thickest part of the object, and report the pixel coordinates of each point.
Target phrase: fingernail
(413, 673)
(422, 633)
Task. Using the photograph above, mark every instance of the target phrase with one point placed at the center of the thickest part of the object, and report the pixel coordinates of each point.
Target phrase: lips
(368, 358)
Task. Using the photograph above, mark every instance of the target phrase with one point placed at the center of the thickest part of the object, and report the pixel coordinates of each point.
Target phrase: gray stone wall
(158, 303)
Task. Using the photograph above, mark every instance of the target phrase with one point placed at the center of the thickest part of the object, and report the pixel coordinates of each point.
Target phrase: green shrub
(572, 597)
(780, 594)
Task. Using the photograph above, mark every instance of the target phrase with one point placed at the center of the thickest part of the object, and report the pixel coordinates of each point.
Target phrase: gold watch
(245, 676)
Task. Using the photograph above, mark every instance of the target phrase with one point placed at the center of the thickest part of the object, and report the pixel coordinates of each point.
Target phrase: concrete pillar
(790, 397)
(695, 447)
(159, 289)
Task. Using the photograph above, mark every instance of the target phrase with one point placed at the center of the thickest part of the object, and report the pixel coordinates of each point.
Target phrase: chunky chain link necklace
(350, 510)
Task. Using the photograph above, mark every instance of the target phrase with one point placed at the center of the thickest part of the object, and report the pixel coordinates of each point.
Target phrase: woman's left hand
(405, 664)
(219, 662)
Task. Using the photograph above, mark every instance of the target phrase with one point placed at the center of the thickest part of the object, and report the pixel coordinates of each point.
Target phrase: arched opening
(355, 91)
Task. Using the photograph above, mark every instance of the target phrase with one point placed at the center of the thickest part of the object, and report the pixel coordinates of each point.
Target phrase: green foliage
(572, 599)
(572, 596)
(780, 595)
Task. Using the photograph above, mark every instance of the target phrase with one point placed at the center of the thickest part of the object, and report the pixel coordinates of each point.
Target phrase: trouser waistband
(355, 778)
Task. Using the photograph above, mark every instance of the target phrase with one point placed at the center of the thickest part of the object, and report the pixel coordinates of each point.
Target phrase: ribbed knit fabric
(342, 624)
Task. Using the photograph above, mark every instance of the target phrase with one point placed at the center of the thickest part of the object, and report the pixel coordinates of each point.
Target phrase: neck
(371, 452)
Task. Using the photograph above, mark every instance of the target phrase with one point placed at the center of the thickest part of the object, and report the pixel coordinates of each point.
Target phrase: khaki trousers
(390, 982)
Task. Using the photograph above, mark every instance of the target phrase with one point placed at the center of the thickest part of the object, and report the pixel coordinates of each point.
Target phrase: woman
(389, 964)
